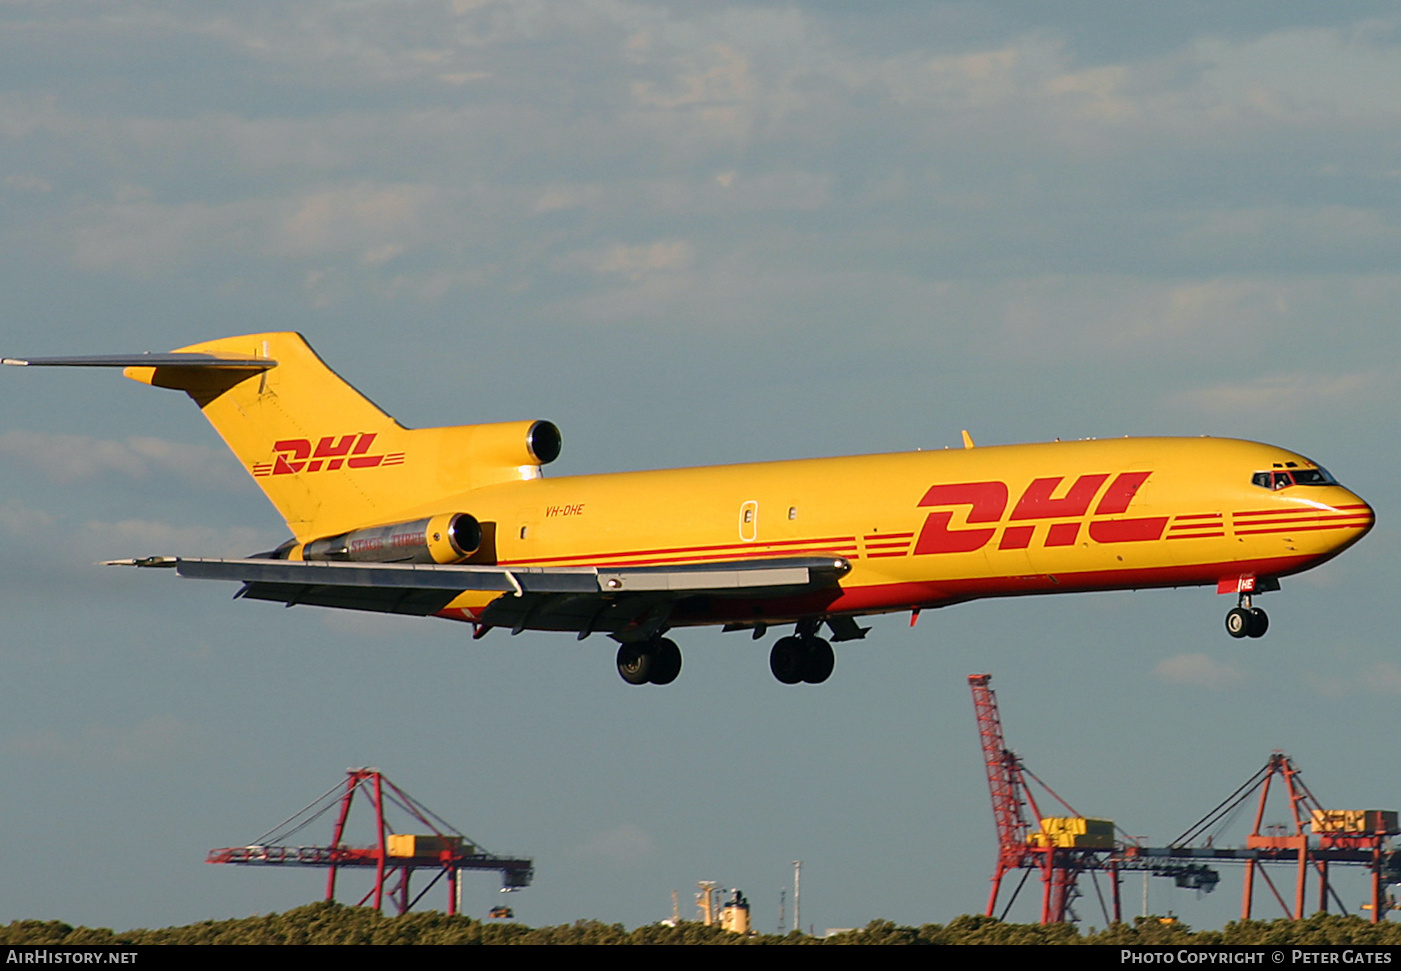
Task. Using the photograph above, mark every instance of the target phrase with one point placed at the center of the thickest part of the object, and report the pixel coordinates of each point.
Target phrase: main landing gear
(805, 657)
(802, 657)
(1246, 621)
(653, 661)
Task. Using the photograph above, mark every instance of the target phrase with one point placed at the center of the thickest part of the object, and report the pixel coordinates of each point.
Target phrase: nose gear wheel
(1247, 620)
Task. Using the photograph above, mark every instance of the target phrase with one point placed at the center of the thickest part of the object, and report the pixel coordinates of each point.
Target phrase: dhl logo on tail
(293, 455)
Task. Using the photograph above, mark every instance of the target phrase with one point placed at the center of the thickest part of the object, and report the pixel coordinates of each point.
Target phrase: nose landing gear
(1246, 620)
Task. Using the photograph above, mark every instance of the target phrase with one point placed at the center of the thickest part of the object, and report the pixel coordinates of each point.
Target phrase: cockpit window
(1317, 476)
(1282, 479)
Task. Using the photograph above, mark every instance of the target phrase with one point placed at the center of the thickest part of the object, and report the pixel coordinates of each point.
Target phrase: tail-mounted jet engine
(543, 441)
(511, 444)
(446, 538)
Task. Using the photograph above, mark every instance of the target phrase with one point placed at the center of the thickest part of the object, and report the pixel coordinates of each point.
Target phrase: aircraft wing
(582, 599)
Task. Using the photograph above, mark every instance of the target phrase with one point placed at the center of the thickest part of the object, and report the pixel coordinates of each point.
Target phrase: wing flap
(722, 577)
(760, 575)
(391, 576)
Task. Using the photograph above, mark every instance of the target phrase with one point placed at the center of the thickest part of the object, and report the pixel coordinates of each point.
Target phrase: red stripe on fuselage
(1300, 529)
(891, 597)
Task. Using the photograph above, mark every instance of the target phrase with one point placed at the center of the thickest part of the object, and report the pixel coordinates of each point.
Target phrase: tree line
(329, 923)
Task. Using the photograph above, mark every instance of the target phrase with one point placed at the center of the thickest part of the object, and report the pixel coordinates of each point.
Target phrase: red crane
(430, 844)
(1346, 837)
(1019, 845)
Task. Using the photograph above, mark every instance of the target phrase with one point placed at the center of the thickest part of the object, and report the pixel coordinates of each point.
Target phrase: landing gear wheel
(1259, 623)
(636, 663)
(666, 661)
(817, 666)
(1238, 622)
(786, 660)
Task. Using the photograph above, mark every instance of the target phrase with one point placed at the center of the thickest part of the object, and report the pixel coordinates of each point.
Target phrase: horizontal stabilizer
(228, 362)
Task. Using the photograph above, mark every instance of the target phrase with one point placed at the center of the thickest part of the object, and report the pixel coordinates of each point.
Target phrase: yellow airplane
(460, 523)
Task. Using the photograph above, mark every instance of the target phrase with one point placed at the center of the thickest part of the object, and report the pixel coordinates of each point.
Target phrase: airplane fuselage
(925, 529)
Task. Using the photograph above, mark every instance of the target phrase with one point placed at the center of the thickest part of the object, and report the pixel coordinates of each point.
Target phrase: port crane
(427, 843)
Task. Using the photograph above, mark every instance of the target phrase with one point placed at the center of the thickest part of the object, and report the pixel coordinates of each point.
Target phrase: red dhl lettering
(987, 503)
(1036, 501)
(291, 456)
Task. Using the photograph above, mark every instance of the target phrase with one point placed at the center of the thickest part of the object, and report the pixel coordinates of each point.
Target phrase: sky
(687, 233)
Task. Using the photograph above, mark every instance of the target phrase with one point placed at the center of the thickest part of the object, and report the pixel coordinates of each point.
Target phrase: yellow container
(410, 845)
(1358, 822)
(1075, 832)
(1078, 825)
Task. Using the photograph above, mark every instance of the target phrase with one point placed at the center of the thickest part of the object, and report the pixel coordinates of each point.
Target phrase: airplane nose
(1352, 516)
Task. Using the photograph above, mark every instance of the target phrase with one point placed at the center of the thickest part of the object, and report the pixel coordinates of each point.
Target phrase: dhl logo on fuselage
(294, 455)
(988, 503)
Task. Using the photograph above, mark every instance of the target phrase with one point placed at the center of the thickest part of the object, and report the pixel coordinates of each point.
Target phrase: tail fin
(325, 455)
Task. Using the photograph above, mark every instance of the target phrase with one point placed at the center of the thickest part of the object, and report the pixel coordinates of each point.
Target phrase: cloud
(136, 537)
(975, 79)
(607, 119)
(72, 458)
(17, 519)
(1383, 678)
(136, 234)
(82, 543)
(1278, 233)
(1280, 394)
(1057, 317)
(28, 183)
(626, 844)
(1295, 73)
(1198, 671)
(1099, 91)
(564, 196)
(376, 223)
(715, 80)
(635, 262)
(156, 741)
(370, 223)
(1060, 206)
